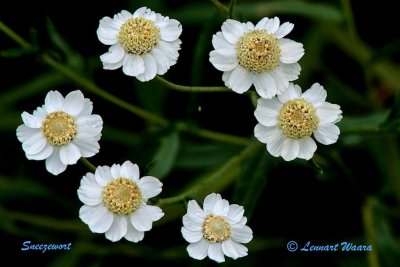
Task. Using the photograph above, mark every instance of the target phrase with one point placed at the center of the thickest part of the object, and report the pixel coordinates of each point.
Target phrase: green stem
(192, 89)
(220, 6)
(14, 36)
(232, 5)
(369, 228)
(346, 4)
(211, 182)
(88, 164)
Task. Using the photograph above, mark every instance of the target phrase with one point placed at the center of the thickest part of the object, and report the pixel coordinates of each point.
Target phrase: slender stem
(346, 4)
(232, 5)
(14, 36)
(220, 6)
(192, 89)
(88, 164)
(213, 180)
(369, 228)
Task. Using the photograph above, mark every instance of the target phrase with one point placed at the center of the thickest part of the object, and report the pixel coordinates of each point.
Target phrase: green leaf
(165, 156)
(18, 52)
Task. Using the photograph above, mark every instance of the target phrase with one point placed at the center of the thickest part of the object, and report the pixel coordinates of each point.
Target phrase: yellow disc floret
(297, 119)
(122, 196)
(59, 128)
(258, 51)
(216, 229)
(138, 35)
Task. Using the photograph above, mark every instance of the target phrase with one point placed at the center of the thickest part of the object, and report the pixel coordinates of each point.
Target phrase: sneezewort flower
(115, 201)
(258, 55)
(216, 230)
(287, 122)
(61, 131)
(144, 43)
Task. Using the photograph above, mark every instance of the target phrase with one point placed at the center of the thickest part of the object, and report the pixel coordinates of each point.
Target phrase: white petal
(284, 30)
(142, 219)
(265, 85)
(107, 31)
(293, 92)
(150, 67)
(89, 126)
(35, 143)
(43, 154)
(222, 45)
(118, 228)
(281, 82)
(210, 201)
(163, 63)
(98, 218)
(275, 141)
(232, 30)
(121, 17)
(87, 108)
(194, 209)
(31, 121)
(223, 62)
(307, 148)
(103, 175)
(150, 186)
(327, 133)
(290, 149)
(328, 112)
(291, 71)
(225, 77)
(191, 236)
(316, 94)
(87, 147)
(171, 31)
(130, 170)
(73, 103)
(170, 50)
(140, 12)
(233, 249)
(272, 25)
(215, 252)
(133, 65)
(40, 112)
(133, 234)
(221, 207)
(198, 250)
(53, 101)
(267, 111)
(240, 80)
(114, 66)
(235, 213)
(54, 164)
(116, 171)
(69, 154)
(261, 24)
(193, 222)
(242, 234)
(291, 51)
(150, 15)
(114, 55)
(90, 192)
(24, 132)
(260, 132)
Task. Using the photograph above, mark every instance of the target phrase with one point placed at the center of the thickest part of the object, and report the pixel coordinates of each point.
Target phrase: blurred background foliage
(199, 143)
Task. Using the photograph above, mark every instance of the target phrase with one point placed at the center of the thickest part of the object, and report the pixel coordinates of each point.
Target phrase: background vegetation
(350, 191)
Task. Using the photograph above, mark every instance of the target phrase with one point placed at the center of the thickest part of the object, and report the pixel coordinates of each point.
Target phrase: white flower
(287, 122)
(215, 230)
(144, 43)
(61, 131)
(115, 202)
(258, 55)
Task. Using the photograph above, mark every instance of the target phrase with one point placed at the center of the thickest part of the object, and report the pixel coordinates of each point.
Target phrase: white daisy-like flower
(258, 55)
(144, 43)
(216, 230)
(287, 122)
(61, 131)
(115, 201)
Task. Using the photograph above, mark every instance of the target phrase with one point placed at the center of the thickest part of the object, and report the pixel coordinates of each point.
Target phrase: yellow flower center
(258, 51)
(138, 35)
(216, 229)
(59, 128)
(122, 196)
(297, 119)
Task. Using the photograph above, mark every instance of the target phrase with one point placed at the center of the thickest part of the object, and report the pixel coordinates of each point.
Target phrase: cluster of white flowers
(146, 44)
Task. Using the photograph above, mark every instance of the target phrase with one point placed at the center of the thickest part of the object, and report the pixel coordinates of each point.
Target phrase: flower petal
(70, 154)
(290, 149)
(54, 164)
(73, 103)
(118, 228)
(90, 192)
(192, 222)
(307, 148)
(328, 112)
(171, 31)
(107, 31)
(272, 25)
(130, 170)
(142, 219)
(232, 30)
(275, 140)
(235, 213)
(150, 186)
(103, 175)
(43, 154)
(198, 250)
(221, 207)
(242, 234)
(293, 92)
(291, 51)
(240, 80)
(265, 85)
(215, 252)
(290, 71)
(191, 236)
(327, 133)
(209, 202)
(98, 218)
(284, 30)
(133, 65)
(221, 45)
(281, 82)
(87, 147)
(31, 121)
(223, 62)
(114, 55)
(194, 209)
(150, 69)
(163, 63)
(116, 171)
(261, 133)
(34, 144)
(233, 249)
(316, 94)
(267, 111)
(53, 101)
(133, 234)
